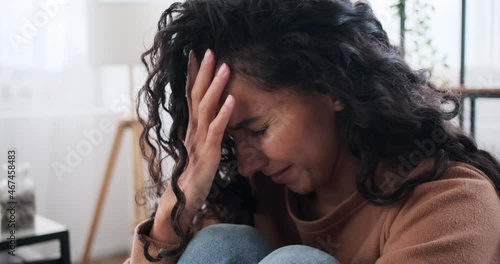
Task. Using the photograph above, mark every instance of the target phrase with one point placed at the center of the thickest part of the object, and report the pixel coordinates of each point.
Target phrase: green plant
(415, 25)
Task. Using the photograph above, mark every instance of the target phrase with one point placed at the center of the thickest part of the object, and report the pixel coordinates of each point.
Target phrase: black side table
(44, 230)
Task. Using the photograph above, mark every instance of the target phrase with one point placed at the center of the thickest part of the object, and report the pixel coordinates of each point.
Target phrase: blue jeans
(241, 244)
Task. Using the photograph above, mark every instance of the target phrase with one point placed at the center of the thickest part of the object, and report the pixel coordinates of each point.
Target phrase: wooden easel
(141, 212)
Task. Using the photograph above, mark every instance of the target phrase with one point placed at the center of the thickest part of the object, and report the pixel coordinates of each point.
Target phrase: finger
(203, 80)
(218, 126)
(193, 68)
(211, 99)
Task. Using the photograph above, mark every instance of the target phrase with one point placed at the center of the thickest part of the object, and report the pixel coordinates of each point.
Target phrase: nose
(250, 156)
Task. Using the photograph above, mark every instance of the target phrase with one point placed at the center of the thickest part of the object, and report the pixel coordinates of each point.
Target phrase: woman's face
(299, 132)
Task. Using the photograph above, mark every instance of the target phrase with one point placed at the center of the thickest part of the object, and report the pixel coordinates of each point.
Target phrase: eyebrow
(245, 123)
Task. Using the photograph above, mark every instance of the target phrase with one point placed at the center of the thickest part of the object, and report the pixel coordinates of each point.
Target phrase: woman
(299, 135)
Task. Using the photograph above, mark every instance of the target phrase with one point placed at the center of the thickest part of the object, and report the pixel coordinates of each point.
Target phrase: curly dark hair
(334, 47)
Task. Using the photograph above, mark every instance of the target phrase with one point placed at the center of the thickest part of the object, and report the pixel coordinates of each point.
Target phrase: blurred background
(67, 69)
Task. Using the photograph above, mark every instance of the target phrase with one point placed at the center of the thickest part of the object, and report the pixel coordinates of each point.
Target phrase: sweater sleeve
(137, 254)
(452, 220)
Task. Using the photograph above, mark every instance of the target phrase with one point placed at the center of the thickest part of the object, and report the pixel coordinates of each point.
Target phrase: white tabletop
(43, 226)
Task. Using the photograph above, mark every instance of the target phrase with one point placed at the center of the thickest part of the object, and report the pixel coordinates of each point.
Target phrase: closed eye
(260, 133)
(257, 134)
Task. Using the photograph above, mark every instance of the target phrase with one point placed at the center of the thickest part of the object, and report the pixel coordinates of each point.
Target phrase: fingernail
(229, 100)
(222, 70)
(207, 54)
(190, 57)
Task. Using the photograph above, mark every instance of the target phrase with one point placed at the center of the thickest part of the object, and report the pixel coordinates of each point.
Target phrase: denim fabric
(298, 254)
(241, 244)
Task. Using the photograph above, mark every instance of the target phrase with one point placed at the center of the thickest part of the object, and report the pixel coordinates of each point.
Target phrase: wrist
(160, 228)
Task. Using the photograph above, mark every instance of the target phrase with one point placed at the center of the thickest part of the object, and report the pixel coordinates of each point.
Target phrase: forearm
(162, 229)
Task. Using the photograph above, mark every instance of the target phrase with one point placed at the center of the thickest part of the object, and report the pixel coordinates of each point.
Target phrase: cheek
(286, 140)
(319, 148)
(280, 143)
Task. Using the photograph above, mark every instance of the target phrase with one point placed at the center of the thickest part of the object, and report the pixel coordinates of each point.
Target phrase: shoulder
(454, 217)
(459, 183)
(461, 191)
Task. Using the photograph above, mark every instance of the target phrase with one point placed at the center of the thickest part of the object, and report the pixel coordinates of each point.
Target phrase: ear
(336, 105)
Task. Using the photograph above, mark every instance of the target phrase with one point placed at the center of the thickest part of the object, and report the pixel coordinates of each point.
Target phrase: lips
(279, 172)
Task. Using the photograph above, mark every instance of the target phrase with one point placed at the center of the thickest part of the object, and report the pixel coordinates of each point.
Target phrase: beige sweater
(455, 219)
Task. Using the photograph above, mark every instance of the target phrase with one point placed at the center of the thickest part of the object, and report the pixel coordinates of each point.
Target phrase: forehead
(250, 100)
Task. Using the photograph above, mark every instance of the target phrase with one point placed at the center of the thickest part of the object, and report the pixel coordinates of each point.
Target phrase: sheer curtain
(483, 44)
(60, 114)
(48, 104)
(43, 57)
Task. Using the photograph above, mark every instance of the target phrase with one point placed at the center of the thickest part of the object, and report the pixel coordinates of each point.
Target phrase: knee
(298, 254)
(224, 231)
(230, 235)
(227, 243)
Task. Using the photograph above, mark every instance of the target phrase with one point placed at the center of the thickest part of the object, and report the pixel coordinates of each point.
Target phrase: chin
(300, 189)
